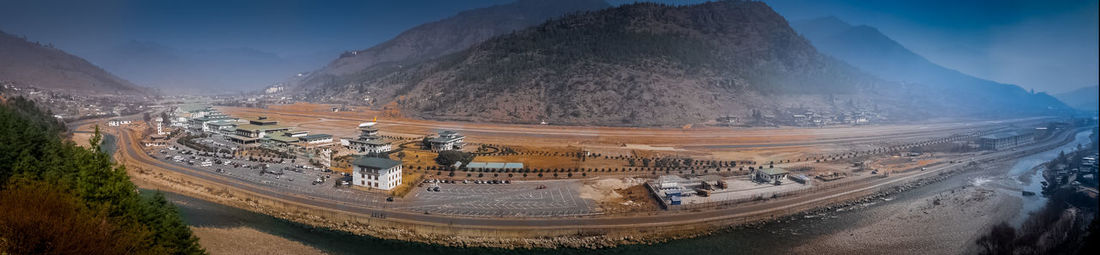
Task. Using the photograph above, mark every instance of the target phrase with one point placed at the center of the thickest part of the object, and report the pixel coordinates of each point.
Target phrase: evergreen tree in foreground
(60, 198)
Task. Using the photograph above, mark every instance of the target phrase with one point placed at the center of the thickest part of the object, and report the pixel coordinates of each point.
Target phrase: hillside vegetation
(439, 38)
(639, 64)
(647, 64)
(60, 198)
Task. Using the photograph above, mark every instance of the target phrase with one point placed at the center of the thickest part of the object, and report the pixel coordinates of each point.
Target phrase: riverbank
(946, 217)
(946, 221)
(245, 241)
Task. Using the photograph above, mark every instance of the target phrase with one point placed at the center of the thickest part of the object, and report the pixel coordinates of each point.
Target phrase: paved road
(778, 206)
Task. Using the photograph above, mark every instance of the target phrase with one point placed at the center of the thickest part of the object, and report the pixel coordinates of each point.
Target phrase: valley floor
(944, 222)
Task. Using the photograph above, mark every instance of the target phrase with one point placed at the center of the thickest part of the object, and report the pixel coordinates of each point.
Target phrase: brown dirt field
(81, 139)
(242, 240)
(636, 199)
(618, 195)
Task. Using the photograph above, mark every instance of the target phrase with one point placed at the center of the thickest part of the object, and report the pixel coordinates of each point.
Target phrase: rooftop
(281, 137)
(242, 138)
(773, 171)
(376, 163)
(263, 122)
(222, 123)
(255, 128)
(1006, 134)
(445, 139)
(375, 141)
(495, 165)
(316, 137)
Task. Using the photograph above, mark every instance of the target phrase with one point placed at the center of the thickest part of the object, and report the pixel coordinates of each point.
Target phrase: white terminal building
(377, 173)
(368, 140)
(446, 140)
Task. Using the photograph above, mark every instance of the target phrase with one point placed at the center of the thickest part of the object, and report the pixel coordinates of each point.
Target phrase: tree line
(60, 198)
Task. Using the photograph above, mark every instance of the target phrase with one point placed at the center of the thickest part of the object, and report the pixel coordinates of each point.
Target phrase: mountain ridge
(637, 64)
(1084, 98)
(870, 50)
(649, 64)
(46, 67)
(445, 36)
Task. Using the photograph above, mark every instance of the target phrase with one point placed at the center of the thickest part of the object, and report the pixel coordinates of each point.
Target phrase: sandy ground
(243, 240)
(81, 138)
(614, 195)
(944, 223)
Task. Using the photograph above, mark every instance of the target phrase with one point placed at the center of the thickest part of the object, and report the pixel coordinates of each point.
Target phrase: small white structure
(115, 123)
(770, 174)
(377, 173)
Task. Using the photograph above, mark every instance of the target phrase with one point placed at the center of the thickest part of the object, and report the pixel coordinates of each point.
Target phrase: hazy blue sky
(1046, 45)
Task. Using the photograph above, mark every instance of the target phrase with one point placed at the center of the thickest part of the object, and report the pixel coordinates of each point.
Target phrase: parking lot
(284, 176)
(520, 198)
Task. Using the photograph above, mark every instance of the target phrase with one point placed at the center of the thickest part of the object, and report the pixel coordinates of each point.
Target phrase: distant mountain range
(1085, 99)
(870, 50)
(189, 71)
(435, 39)
(42, 66)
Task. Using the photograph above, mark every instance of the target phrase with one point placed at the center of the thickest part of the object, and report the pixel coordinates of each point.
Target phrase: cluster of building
(810, 118)
(675, 191)
(71, 106)
(1080, 175)
(260, 131)
(378, 172)
(371, 168)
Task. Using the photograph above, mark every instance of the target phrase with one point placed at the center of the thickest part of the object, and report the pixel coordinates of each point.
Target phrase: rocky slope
(649, 64)
(639, 64)
(46, 67)
(870, 50)
(443, 37)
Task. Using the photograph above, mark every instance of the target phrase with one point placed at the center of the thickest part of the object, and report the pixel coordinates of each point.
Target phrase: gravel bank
(242, 241)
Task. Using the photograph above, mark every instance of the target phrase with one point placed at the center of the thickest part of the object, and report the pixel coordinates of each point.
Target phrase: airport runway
(697, 138)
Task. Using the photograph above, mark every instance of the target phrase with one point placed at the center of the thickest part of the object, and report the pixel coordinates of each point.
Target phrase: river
(771, 238)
